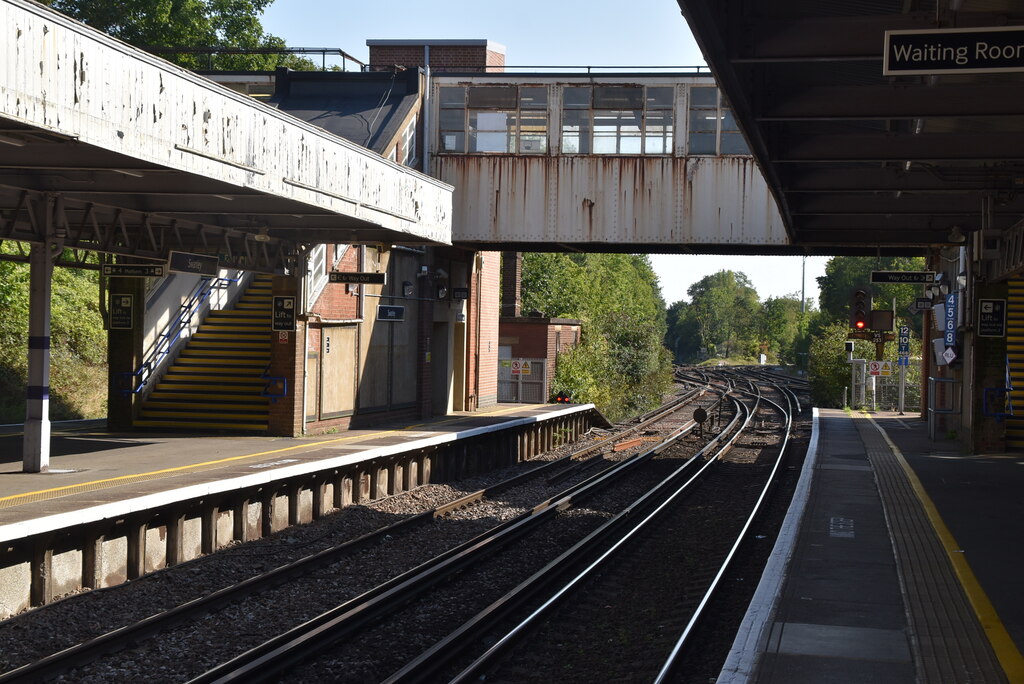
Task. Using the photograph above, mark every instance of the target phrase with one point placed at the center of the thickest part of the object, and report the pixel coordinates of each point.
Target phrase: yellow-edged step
(215, 383)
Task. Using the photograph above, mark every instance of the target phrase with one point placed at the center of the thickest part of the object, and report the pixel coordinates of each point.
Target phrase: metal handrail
(271, 381)
(133, 382)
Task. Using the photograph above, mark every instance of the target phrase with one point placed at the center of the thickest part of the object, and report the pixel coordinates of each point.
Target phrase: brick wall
(539, 338)
(989, 358)
(442, 57)
(287, 360)
(335, 303)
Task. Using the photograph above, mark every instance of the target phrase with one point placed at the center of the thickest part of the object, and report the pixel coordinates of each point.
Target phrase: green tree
(681, 336)
(620, 364)
(845, 274)
(78, 342)
(829, 371)
(187, 23)
(780, 328)
(725, 308)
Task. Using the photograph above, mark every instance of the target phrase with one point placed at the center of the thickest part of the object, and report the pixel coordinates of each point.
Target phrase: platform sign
(134, 270)
(918, 305)
(903, 277)
(903, 341)
(360, 278)
(991, 318)
(121, 309)
(391, 314)
(987, 50)
(284, 314)
(949, 326)
(198, 264)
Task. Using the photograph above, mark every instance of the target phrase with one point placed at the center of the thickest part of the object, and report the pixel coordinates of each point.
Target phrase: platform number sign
(903, 350)
(949, 327)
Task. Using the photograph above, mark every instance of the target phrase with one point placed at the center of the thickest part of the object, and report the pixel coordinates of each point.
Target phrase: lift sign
(120, 312)
(991, 318)
(284, 313)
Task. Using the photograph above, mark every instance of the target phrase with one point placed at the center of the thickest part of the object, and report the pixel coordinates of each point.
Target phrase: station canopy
(866, 154)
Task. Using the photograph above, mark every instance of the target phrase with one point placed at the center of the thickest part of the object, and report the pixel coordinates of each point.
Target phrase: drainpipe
(426, 110)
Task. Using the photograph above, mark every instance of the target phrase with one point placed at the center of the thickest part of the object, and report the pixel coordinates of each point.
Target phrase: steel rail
(675, 654)
(269, 659)
(121, 638)
(650, 505)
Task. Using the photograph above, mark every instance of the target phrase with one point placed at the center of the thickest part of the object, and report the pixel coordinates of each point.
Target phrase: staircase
(1015, 362)
(215, 382)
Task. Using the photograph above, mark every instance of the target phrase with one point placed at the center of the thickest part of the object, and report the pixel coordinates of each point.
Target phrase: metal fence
(522, 381)
(883, 392)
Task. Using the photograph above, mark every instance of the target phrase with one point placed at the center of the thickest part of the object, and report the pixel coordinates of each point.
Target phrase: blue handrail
(278, 382)
(134, 382)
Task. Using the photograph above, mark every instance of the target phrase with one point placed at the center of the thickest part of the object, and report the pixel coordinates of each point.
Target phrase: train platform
(97, 474)
(899, 562)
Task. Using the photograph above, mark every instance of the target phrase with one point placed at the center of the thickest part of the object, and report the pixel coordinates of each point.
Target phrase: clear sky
(562, 33)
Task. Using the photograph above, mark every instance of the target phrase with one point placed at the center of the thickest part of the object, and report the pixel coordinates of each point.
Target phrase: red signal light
(859, 324)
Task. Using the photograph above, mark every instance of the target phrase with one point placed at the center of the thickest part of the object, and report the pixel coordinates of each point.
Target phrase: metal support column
(36, 445)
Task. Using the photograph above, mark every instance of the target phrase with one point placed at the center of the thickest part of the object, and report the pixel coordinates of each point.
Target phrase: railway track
(628, 614)
(82, 655)
(670, 477)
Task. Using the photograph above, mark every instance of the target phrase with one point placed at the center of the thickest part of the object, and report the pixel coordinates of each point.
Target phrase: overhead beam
(901, 204)
(889, 229)
(890, 147)
(892, 102)
(802, 39)
(861, 179)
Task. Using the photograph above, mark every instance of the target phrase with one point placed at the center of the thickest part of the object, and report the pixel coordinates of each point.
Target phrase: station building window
(713, 128)
(617, 119)
(493, 119)
(409, 143)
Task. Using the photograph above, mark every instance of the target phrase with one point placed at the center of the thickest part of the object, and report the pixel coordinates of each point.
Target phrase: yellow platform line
(56, 492)
(1006, 650)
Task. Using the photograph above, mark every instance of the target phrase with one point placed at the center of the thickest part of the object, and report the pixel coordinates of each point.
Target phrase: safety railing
(135, 381)
(276, 386)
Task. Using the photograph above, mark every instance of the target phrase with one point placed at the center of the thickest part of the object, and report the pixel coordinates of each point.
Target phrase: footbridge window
(617, 119)
(713, 128)
(494, 119)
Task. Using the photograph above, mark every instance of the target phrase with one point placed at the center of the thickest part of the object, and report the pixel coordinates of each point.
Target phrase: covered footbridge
(606, 162)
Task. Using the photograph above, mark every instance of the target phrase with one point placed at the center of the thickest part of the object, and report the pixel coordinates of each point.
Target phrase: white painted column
(36, 445)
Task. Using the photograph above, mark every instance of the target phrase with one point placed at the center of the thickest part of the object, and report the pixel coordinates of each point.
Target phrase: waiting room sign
(988, 50)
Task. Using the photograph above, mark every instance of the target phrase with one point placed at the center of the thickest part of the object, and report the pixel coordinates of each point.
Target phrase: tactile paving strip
(949, 643)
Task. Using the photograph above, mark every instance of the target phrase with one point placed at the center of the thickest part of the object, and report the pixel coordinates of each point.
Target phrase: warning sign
(517, 367)
(525, 369)
(883, 368)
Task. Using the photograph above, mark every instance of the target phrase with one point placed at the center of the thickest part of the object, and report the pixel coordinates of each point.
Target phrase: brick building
(352, 367)
(444, 55)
